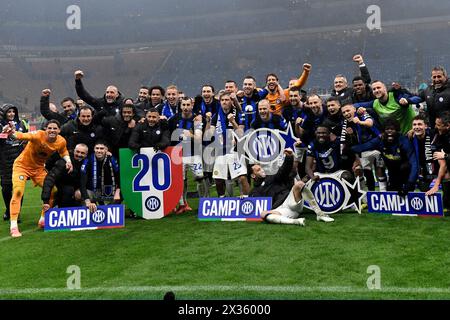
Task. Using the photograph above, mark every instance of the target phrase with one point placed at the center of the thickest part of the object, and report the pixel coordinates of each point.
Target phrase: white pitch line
(281, 289)
(23, 232)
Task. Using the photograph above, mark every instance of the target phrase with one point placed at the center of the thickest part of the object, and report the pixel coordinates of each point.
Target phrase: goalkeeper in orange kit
(31, 164)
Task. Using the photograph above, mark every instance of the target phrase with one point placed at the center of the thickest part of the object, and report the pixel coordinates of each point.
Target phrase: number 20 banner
(151, 182)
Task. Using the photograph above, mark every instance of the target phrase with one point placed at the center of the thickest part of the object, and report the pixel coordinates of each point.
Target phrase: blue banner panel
(79, 218)
(415, 203)
(233, 209)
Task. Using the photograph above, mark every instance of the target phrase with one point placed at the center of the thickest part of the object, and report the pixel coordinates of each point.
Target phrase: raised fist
(46, 92)
(78, 74)
(306, 67)
(403, 102)
(358, 58)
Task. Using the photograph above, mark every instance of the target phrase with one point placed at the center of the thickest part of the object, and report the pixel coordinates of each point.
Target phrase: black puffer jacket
(437, 100)
(144, 136)
(99, 104)
(10, 149)
(58, 176)
(116, 131)
(74, 133)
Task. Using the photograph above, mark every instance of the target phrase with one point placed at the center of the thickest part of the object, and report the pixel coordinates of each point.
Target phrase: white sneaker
(300, 221)
(324, 218)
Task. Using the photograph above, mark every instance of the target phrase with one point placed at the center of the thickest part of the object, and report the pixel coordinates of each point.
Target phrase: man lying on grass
(287, 194)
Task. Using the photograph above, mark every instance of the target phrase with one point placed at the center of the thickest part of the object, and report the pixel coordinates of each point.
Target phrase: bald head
(111, 94)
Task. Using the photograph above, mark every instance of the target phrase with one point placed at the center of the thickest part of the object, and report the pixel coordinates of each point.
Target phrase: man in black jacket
(100, 178)
(68, 104)
(117, 129)
(83, 129)
(287, 196)
(107, 105)
(348, 94)
(437, 96)
(153, 132)
(67, 184)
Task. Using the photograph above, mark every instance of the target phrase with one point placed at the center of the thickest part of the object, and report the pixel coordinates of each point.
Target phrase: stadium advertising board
(414, 204)
(80, 218)
(233, 209)
(151, 181)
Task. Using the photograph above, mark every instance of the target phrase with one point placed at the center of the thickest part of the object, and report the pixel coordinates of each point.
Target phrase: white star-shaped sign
(356, 195)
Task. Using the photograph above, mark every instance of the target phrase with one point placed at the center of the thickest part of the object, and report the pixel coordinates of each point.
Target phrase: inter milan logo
(329, 193)
(247, 207)
(264, 145)
(417, 203)
(152, 203)
(99, 216)
(334, 194)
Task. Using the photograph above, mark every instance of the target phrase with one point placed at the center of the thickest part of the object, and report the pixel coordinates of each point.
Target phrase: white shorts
(336, 175)
(195, 164)
(229, 162)
(290, 208)
(370, 158)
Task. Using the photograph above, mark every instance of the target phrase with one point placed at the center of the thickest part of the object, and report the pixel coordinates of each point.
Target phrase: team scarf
(222, 119)
(428, 151)
(204, 108)
(102, 176)
(73, 116)
(221, 130)
(343, 136)
(167, 110)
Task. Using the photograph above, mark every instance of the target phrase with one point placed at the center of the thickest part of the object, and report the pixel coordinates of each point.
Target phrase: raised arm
(362, 68)
(45, 108)
(82, 93)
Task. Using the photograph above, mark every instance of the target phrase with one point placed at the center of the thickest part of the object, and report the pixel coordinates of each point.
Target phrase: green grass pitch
(229, 260)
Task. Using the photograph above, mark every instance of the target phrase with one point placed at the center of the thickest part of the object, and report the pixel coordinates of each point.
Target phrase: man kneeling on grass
(287, 194)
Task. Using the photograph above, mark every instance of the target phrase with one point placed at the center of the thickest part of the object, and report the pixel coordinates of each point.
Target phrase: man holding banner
(67, 183)
(100, 179)
(424, 140)
(228, 164)
(287, 196)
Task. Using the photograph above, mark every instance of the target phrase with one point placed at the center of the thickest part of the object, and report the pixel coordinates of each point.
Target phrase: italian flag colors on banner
(151, 182)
